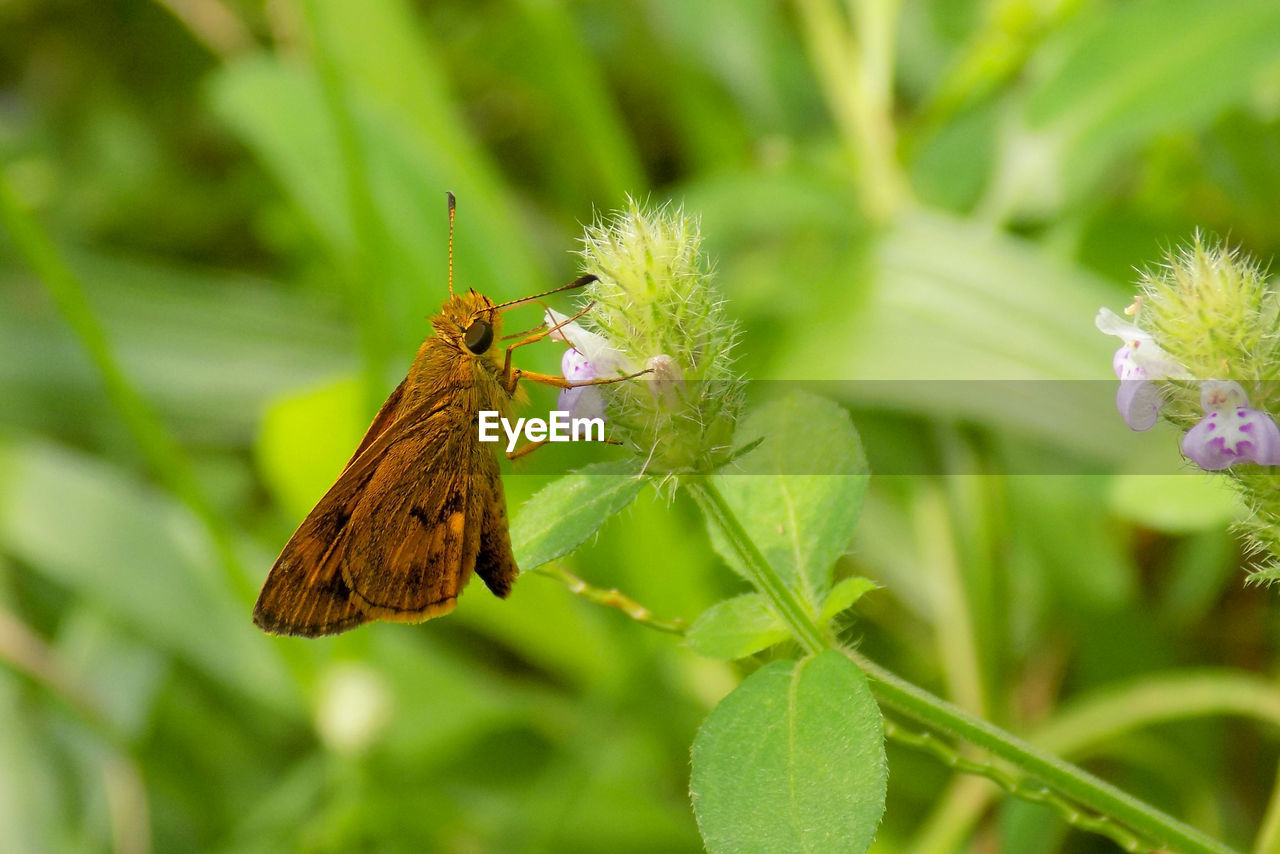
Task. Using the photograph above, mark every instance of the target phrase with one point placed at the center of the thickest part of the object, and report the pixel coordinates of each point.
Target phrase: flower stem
(1097, 795)
(785, 603)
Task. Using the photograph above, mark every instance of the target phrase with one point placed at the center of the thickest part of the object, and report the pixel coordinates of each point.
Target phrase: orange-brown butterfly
(419, 507)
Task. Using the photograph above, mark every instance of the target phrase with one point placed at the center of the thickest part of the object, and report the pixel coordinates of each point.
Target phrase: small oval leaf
(736, 628)
(800, 508)
(844, 595)
(792, 760)
(566, 512)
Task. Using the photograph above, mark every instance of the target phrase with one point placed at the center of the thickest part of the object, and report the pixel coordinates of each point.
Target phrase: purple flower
(583, 401)
(1137, 363)
(589, 356)
(1231, 432)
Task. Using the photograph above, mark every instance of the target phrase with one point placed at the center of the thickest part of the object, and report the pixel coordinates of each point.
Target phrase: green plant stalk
(919, 705)
(954, 634)
(1110, 714)
(855, 71)
(783, 599)
(162, 454)
(1079, 785)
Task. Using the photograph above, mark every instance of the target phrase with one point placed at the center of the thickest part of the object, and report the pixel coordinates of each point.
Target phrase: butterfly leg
(525, 450)
(560, 382)
(536, 334)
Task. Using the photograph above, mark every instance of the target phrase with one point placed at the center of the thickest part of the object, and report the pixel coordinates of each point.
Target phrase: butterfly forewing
(305, 592)
(423, 528)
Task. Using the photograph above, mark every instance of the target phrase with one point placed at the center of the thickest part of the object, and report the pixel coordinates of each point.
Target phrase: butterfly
(419, 507)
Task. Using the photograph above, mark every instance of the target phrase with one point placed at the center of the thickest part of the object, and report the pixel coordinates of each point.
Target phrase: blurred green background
(251, 196)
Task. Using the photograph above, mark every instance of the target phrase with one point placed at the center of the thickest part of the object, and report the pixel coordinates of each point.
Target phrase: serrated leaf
(844, 595)
(799, 508)
(736, 628)
(564, 514)
(792, 761)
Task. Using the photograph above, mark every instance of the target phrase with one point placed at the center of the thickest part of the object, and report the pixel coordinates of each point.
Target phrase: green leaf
(242, 341)
(280, 113)
(952, 301)
(844, 595)
(736, 628)
(564, 514)
(29, 817)
(800, 509)
(793, 760)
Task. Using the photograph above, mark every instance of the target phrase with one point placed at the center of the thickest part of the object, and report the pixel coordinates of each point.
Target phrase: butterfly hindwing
(495, 564)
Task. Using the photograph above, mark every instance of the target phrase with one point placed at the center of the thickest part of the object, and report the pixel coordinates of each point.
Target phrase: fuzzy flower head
(1212, 309)
(652, 308)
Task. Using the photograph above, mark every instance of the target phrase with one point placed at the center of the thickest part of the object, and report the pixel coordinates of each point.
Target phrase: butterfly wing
(495, 564)
(419, 522)
(304, 594)
(397, 537)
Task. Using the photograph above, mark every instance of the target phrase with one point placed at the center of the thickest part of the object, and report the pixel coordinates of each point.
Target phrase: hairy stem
(612, 598)
(1098, 796)
(784, 600)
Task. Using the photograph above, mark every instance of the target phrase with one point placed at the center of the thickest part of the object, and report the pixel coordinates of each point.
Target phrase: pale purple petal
(605, 359)
(1139, 404)
(1144, 354)
(575, 367)
(581, 402)
(1231, 431)
(1125, 367)
(1110, 323)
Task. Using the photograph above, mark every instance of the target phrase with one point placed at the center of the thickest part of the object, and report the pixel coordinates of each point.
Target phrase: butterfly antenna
(576, 283)
(453, 203)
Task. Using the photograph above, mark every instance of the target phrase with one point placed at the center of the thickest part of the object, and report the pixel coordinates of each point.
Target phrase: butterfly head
(469, 322)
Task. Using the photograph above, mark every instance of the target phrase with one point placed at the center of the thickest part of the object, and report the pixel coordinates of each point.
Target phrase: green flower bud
(654, 306)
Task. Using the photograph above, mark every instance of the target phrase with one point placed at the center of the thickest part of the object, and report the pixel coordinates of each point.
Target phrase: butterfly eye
(478, 337)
